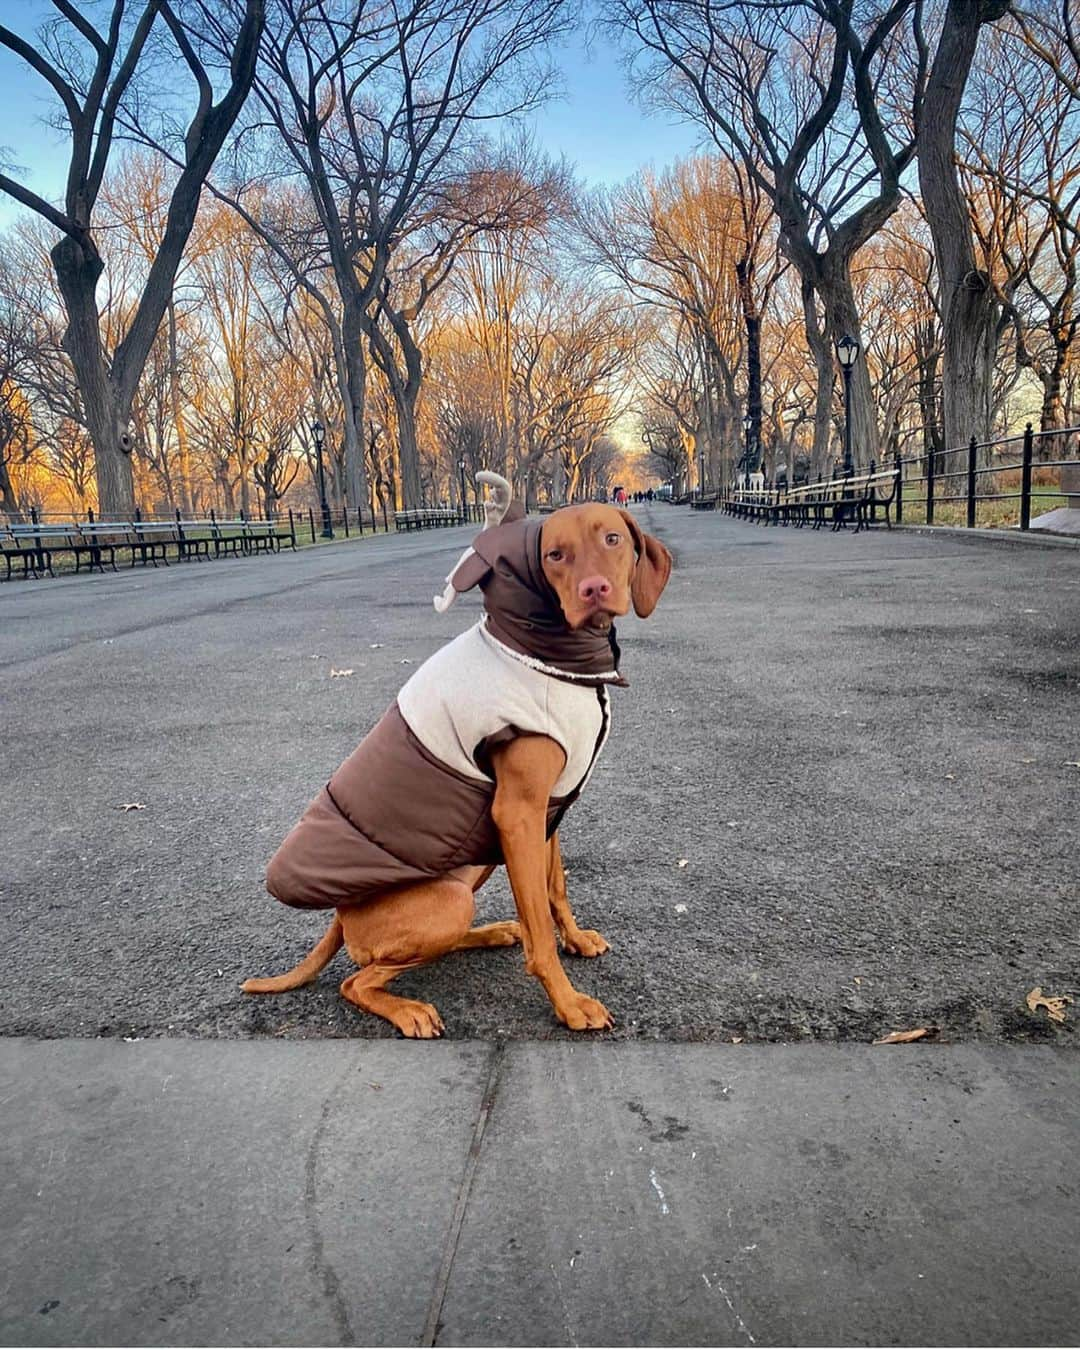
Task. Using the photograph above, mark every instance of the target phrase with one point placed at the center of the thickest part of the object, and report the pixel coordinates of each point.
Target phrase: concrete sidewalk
(371, 1193)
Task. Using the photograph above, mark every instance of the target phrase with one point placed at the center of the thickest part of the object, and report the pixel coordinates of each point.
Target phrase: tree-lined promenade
(280, 213)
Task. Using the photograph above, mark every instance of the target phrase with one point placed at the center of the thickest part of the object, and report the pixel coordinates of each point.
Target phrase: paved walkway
(840, 796)
(863, 752)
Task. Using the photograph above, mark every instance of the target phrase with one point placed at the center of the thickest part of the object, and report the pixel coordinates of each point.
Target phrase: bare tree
(379, 110)
(92, 72)
(798, 93)
(1020, 148)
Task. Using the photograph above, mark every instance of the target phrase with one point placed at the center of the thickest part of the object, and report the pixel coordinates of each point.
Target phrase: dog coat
(414, 798)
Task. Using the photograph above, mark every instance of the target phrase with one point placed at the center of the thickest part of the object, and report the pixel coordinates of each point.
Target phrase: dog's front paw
(584, 942)
(581, 1013)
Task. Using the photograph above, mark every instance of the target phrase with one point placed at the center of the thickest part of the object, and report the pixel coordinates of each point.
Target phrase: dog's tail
(328, 946)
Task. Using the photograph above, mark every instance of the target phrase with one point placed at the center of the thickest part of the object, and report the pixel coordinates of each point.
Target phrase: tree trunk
(968, 307)
(352, 387)
(820, 454)
(179, 421)
(77, 273)
(405, 393)
(9, 501)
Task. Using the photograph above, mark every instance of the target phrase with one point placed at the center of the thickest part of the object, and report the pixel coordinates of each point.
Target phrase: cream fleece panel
(475, 687)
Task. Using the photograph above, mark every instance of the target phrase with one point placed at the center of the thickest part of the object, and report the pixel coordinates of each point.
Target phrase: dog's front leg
(526, 770)
(580, 941)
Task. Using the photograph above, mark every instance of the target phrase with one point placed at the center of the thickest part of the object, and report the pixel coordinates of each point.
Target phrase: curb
(1025, 539)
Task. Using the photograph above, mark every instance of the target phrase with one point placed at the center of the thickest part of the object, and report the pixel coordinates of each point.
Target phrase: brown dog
(551, 592)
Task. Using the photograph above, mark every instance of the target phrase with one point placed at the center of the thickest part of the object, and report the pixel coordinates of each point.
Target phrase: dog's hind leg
(400, 930)
(504, 934)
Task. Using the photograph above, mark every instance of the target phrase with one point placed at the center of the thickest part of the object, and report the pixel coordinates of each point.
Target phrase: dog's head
(599, 561)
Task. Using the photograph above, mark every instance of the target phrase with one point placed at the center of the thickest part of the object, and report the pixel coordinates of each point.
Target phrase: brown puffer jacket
(414, 799)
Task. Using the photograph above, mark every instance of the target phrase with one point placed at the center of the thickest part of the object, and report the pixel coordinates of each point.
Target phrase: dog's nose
(594, 588)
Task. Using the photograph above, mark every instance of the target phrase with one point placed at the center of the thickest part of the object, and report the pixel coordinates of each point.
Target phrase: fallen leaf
(682, 862)
(857, 979)
(1055, 1005)
(375, 1087)
(132, 806)
(736, 1040)
(1027, 761)
(902, 1037)
(375, 646)
(951, 777)
(335, 673)
(680, 909)
(1072, 763)
(404, 661)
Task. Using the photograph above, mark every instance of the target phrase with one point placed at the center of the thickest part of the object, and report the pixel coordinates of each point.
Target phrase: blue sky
(595, 125)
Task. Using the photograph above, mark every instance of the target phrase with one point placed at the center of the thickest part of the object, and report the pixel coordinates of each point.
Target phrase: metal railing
(1008, 469)
(965, 480)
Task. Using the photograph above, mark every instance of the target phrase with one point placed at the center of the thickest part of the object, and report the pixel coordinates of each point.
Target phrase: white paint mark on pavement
(731, 1306)
(659, 1191)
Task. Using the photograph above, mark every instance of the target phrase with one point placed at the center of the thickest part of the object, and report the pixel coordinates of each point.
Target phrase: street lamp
(701, 474)
(748, 430)
(847, 353)
(318, 432)
(464, 507)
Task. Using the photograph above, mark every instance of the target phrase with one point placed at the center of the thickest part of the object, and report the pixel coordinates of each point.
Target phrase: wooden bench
(883, 489)
(427, 517)
(837, 500)
(33, 546)
(150, 539)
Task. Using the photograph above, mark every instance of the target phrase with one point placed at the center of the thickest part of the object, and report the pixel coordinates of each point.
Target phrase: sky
(595, 124)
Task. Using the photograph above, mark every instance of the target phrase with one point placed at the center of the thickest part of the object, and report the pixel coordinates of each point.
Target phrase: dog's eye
(554, 555)
(613, 538)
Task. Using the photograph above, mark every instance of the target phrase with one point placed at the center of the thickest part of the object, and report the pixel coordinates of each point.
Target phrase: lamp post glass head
(318, 431)
(847, 352)
(748, 424)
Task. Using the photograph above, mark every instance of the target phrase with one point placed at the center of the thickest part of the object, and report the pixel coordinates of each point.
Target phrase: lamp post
(701, 474)
(748, 431)
(318, 432)
(847, 353)
(464, 504)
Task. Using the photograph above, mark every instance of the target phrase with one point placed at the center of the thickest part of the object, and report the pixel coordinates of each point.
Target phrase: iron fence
(993, 483)
(969, 484)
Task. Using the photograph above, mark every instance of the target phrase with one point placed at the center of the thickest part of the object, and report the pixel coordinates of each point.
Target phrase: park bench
(844, 497)
(150, 539)
(97, 542)
(427, 517)
(704, 503)
(748, 503)
(33, 546)
(233, 538)
(883, 489)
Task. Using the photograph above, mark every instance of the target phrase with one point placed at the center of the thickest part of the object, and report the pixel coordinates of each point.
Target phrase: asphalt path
(841, 795)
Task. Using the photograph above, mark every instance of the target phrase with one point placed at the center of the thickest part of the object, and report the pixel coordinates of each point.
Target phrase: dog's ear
(652, 570)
